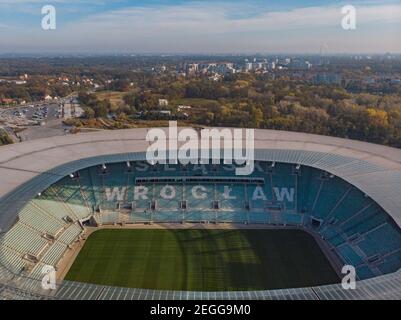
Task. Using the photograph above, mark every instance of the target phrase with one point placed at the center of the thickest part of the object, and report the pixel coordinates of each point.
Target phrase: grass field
(115, 97)
(202, 260)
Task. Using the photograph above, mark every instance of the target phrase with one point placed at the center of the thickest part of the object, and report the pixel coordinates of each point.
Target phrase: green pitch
(202, 260)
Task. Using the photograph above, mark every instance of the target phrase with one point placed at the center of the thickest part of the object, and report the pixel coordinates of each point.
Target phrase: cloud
(208, 16)
(218, 27)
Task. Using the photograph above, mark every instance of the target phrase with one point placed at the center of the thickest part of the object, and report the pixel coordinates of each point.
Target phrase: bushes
(5, 139)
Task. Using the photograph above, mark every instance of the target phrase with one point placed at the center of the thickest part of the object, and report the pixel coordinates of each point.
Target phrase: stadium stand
(299, 183)
(354, 226)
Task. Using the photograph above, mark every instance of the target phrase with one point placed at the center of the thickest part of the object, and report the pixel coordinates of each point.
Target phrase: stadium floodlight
(298, 167)
(39, 194)
(331, 176)
(128, 164)
(71, 175)
(273, 164)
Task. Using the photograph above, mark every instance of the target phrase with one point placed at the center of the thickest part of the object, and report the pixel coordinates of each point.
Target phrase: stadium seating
(237, 216)
(199, 197)
(352, 224)
(283, 176)
(349, 255)
(231, 196)
(70, 234)
(39, 221)
(86, 187)
(54, 254)
(25, 240)
(164, 194)
(12, 260)
(329, 196)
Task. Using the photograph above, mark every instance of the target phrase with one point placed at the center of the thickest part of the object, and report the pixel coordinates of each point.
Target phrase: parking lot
(32, 112)
(37, 120)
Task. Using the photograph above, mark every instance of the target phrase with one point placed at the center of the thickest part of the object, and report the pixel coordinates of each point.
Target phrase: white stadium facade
(29, 168)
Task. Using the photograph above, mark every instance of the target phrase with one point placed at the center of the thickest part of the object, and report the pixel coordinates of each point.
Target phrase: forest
(260, 102)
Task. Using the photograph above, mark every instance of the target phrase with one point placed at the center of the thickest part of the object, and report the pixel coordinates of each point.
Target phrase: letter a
(49, 20)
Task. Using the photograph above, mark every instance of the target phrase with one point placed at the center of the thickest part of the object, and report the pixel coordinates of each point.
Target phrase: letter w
(111, 195)
(284, 193)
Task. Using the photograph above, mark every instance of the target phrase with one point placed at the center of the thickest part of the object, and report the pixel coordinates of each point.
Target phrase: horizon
(60, 55)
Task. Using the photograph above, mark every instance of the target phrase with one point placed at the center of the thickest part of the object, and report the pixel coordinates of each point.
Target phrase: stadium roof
(30, 167)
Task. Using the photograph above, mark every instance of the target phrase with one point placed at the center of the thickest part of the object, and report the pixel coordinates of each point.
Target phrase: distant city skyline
(200, 27)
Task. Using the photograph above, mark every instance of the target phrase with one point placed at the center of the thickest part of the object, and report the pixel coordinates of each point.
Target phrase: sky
(203, 27)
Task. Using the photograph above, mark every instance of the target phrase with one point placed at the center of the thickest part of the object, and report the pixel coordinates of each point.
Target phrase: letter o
(168, 192)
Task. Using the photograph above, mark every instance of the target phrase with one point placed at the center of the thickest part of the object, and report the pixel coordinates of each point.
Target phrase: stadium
(116, 227)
